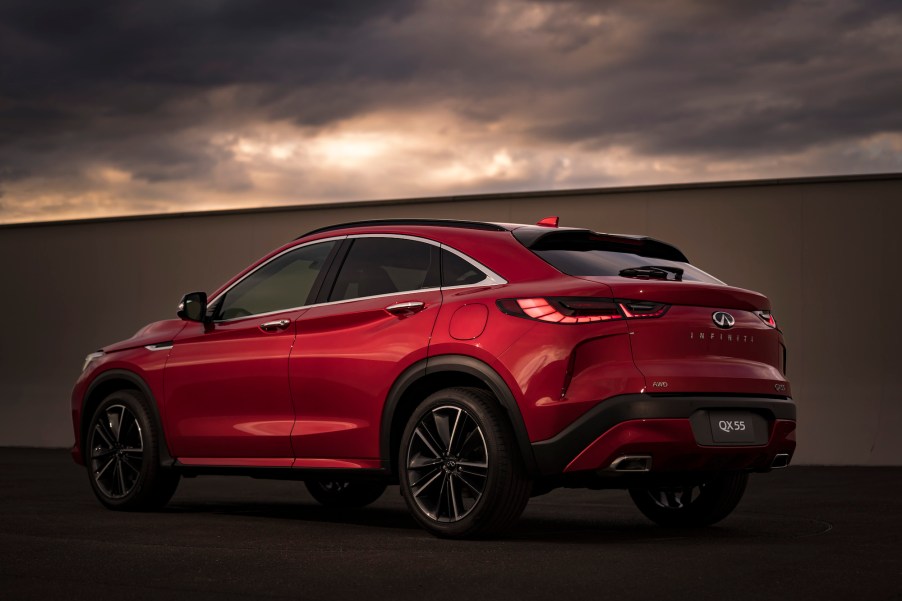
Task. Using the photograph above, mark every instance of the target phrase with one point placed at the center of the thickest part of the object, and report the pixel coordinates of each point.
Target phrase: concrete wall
(826, 251)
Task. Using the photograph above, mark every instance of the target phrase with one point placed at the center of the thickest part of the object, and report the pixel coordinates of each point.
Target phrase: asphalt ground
(800, 533)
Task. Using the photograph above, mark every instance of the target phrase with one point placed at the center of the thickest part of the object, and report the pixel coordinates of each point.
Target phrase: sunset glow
(409, 99)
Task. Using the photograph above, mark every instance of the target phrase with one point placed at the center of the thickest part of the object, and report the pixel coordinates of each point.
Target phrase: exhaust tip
(781, 460)
(631, 463)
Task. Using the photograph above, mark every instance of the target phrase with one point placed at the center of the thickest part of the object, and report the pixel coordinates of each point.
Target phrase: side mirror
(193, 306)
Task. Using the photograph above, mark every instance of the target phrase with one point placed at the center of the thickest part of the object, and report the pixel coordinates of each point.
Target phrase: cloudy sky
(121, 107)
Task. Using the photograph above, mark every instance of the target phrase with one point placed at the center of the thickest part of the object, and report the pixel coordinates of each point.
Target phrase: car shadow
(619, 525)
(375, 517)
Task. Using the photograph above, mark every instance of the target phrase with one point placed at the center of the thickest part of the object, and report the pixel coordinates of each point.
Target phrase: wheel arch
(121, 379)
(436, 373)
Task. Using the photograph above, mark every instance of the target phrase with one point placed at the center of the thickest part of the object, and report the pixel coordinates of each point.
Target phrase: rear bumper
(661, 427)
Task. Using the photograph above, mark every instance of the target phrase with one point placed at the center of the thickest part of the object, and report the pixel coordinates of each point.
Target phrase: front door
(227, 399)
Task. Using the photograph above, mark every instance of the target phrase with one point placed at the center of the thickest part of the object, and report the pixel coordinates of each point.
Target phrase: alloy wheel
(117, 451)
(676, 498)
(447, 464)
(334, 486)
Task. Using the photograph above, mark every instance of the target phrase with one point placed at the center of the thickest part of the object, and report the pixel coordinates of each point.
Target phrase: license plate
(732, 427)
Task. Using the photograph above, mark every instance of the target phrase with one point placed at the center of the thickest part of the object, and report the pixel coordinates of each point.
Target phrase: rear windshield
(597, 262)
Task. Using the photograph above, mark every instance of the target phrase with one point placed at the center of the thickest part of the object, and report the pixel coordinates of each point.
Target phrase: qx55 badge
(723, 320)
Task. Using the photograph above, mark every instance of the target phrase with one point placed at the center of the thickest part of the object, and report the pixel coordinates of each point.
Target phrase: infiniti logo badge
(723, 320)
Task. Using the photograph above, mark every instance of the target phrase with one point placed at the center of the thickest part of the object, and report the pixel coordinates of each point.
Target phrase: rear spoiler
(544, 238)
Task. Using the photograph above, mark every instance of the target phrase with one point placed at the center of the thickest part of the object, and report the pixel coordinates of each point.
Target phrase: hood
(153, 333)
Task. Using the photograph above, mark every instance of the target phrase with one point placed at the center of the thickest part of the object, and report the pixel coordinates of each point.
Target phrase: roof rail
(471, 225)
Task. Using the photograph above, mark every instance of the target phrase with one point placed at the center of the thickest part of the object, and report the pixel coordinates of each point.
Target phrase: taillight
(570, 310)
(767, 317)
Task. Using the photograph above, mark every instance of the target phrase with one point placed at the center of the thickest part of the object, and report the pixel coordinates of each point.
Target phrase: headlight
(91, 357)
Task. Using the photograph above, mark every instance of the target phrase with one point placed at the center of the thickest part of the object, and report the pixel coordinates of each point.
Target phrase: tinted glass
(283, 283)
(457, 272)
(605, 262)
(384, 265)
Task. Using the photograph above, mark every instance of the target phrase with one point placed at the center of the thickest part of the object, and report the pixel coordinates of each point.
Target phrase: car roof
(473, 225)
(529, 235)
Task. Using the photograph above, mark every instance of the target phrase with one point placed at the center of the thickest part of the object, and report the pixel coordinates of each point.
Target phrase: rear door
(374, 319)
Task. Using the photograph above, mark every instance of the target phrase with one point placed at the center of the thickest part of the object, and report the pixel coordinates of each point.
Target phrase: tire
(345, 494)
(460, 470)
(707, 504)
(123, 455)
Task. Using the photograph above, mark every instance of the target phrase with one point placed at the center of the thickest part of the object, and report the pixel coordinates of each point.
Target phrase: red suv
(475, 364)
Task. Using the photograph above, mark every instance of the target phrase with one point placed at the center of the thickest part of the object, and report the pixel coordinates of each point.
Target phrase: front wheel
(460, 469)
(692, 506)
(345, 493)
(123, 455)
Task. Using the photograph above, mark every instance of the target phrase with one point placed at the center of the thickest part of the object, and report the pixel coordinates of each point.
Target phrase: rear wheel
(123, 456)
(345, 493)
(692, 506)
(460, 470)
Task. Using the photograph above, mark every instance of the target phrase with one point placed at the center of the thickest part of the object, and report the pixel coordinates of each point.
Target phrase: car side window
(380, 265)
(283, 283)
(458, 272)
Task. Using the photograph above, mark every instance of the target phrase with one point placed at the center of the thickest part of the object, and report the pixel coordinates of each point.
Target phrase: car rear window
(586, 262)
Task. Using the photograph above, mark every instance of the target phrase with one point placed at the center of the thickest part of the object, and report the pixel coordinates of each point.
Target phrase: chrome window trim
(491, 279)
(216, 298)
(339, 302)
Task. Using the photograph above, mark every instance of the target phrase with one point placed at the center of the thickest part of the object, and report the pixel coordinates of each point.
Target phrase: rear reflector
(574, 310)
(636, 310)
(767, 317)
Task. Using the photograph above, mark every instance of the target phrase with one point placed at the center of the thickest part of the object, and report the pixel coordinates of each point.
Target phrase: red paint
(693, 355)
(134, 359)
(468, 322)
(227, 392)
(312, 395)
(345, 358)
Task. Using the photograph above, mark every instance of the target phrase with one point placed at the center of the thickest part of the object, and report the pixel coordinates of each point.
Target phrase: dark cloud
(779, 77)
(154, 101)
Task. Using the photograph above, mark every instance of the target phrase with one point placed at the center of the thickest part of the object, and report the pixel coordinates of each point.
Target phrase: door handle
(272, 326)
(402, 309)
